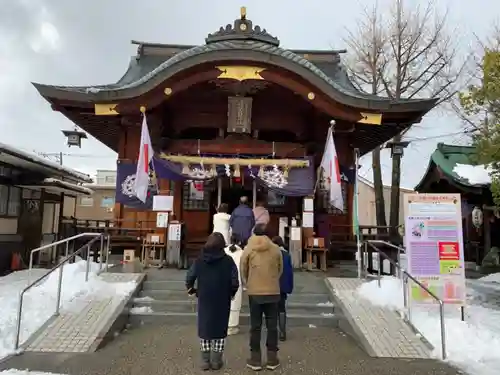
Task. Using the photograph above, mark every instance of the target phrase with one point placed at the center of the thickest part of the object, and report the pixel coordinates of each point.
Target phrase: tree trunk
(378, 187)
(395, 192)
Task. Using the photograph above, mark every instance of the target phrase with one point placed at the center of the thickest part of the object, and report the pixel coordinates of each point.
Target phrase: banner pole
(355, 215)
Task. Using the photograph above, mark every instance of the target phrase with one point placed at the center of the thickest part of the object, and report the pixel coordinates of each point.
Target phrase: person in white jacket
(235, 251)
(221, 221)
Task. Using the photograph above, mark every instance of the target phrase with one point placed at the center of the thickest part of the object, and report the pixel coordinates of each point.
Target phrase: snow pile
(141, 310)
(471, 345)
(475, 174)
(40, 301)
(24, 372)
(491, 278)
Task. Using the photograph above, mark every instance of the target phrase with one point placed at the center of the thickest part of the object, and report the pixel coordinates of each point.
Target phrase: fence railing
(66, 241)
(60, 267)
(404, 278)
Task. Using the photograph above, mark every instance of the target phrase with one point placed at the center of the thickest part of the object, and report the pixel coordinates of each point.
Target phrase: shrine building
(236, 115)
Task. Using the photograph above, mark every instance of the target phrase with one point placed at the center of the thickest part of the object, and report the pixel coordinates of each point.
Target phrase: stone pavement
(83, 329)
(174, 350)
(380, 330)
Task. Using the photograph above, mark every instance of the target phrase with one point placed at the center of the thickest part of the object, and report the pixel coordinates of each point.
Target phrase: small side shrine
(452, 169)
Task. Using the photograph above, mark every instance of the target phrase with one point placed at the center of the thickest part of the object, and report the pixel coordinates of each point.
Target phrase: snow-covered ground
(39, 303)
(472, 345)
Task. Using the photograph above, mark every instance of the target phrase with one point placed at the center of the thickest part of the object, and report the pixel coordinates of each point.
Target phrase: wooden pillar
(486, 234)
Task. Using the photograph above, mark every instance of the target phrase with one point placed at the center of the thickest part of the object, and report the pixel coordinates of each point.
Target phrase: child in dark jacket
(217, 279)
(286, 286)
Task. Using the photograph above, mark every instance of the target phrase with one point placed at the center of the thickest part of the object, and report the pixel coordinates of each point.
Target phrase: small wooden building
(32, 198)
(237, 115)
(442, 177)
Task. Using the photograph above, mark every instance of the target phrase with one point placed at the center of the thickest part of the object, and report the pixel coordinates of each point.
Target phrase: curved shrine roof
(157, 62)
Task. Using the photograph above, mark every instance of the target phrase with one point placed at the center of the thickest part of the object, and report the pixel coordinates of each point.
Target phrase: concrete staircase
(163, 299)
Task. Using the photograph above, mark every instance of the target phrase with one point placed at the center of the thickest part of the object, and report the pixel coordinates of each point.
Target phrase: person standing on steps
(221, 221)
(261, 213)
(242, 221)
(286, 286)
(261, 268)
(235, 251)
(216, 276)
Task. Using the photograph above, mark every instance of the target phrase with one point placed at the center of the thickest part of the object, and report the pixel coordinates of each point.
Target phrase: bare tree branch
(408, 52)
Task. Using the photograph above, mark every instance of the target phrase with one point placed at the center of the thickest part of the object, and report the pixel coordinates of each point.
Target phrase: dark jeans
(282, 303)
(270, 311)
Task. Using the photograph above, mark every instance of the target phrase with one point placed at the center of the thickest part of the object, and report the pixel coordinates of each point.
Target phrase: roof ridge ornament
(242, 29)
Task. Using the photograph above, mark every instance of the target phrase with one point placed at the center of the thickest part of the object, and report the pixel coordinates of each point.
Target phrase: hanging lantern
(477, 217)
(74, 137)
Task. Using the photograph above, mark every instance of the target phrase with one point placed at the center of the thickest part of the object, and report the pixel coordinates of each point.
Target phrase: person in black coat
(216, 276)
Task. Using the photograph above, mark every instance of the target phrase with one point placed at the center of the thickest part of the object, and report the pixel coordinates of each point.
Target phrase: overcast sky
(60, 42)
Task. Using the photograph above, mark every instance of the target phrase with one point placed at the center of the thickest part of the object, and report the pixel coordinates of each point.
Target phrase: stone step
(164, 285)
(165, 274)
(294, 320)
(191, 306)
(181, 295)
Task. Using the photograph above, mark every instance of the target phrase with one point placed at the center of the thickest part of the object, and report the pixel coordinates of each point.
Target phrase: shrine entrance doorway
(230, 190)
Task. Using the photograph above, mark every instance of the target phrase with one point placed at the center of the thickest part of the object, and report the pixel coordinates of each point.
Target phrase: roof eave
(281, 59)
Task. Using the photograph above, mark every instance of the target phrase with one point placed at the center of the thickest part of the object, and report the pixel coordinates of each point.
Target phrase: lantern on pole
(477, 217)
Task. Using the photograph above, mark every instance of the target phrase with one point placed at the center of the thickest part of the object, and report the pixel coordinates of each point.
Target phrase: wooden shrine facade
(238, 95)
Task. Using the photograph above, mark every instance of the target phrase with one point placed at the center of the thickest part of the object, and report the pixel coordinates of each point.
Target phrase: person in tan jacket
(261, 267)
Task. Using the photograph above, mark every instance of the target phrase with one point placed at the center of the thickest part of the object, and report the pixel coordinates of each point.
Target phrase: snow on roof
(100, 186)
(475, 174)
(69, 186)
(44, 162)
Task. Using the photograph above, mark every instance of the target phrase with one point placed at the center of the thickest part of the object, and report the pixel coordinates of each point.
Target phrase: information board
(434, 247)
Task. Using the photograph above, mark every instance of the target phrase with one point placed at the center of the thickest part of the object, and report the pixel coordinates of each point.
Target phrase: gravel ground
(173, 350)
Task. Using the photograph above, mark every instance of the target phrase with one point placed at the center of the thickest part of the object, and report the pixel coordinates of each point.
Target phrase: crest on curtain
(125, 182)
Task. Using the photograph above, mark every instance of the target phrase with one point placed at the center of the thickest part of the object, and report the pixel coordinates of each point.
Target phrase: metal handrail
(399, 248)
(405, 273)
(60, 242)
(59, 286)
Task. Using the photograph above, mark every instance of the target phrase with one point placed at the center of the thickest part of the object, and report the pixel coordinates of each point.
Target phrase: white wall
(366, 204)
(8, 226)
(106, 177)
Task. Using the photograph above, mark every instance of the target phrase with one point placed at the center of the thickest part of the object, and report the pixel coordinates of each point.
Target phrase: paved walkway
(381, 331)
(174, 350)
(83, 329)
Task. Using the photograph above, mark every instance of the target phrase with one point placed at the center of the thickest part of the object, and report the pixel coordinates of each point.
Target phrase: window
(195, 196)
(110, 179)
(5, 171)
(86, 201)
(275, 199)
(276, 203)
(107, 202)
(10, 200)
(14, 208)
(4, 199)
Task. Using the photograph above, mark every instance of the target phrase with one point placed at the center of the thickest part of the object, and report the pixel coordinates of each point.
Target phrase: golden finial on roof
(243, 12)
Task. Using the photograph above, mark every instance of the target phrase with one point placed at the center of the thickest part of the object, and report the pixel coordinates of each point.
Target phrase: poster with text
(434, 247)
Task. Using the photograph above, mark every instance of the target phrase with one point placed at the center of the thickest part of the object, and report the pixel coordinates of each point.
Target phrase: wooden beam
(292, 163)
(230, 145)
